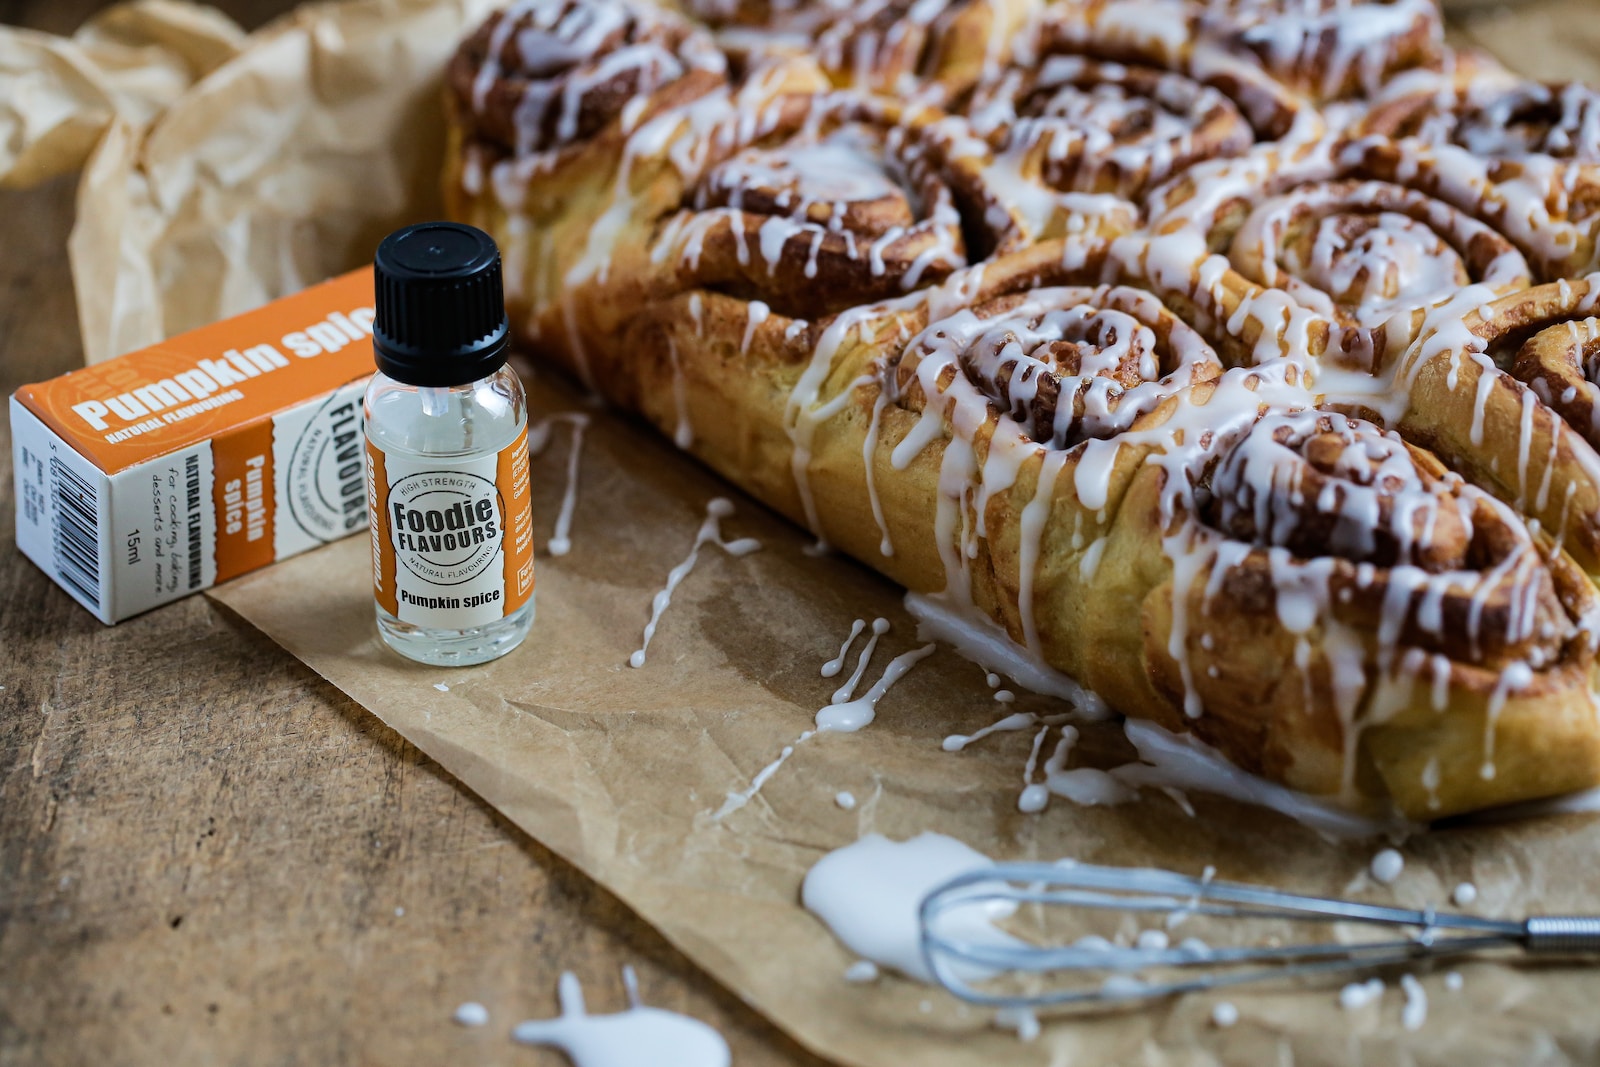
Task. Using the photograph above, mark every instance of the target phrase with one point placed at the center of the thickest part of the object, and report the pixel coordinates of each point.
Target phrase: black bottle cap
(441, 309)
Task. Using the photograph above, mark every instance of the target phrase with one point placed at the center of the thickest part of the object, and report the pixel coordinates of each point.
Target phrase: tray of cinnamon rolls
(1239, 358)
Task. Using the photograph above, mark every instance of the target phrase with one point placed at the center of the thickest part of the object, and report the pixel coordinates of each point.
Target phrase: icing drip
(836, 664)
(737, 800)
(683, 433)
(538, 440)
(845, 691)
(869, 452)
(710, 532)
(982, 641)
(852, 715)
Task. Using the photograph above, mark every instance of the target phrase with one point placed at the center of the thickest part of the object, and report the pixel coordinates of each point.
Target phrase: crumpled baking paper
(222, 170)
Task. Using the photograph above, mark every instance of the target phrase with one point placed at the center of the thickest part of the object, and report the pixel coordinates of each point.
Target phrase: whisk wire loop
(959, 960)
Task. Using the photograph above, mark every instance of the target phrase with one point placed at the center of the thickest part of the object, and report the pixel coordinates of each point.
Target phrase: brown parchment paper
(221, 170)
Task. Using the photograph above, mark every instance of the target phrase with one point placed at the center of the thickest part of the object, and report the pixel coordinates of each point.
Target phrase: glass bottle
(447, 452)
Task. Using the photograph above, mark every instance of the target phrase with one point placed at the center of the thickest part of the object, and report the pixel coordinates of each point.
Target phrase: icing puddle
(641, 1036)
(869, 894)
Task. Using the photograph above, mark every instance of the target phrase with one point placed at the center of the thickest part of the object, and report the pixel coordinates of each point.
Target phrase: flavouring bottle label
(454, 543)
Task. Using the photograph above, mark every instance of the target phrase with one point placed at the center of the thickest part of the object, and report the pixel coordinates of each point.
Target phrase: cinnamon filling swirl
(1330, 49)
(1344, 522)
(1562, 365)
(1363, 252)
(1063, 365)
(1497, 121)
(1104, 127)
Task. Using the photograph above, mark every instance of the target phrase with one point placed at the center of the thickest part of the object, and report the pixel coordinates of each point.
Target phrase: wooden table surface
(207, 854)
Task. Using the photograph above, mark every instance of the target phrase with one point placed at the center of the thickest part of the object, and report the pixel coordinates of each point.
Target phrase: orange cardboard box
(165, 471)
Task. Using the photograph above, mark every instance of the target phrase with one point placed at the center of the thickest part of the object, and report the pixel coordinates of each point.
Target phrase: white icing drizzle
(801, 411)
(539, 434)
(710, 532)
(1020, 720)
(641, 1036)
(869, 452)
(1023, 1020)
(683, 432)
(1358, 995)
(861, 972)
(737, 800)
(1386, 866)
(1035, 796)
(1513, 678)
(981, 640)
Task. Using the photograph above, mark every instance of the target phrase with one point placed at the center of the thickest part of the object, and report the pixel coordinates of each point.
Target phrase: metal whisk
(960, 947)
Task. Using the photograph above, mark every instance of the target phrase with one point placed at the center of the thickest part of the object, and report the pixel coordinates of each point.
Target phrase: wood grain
(209, 855)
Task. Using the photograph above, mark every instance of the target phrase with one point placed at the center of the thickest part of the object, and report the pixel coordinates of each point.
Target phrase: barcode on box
(76, 527)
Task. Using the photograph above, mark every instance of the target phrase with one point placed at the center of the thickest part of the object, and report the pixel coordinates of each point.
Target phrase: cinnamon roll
(544, 76)
(1349, 617)
(1369, 257)
(1503, 389)
(1030, 397)
(837, 203)
(1522, 156)
(566, 214)
(1493, 115)
(1329, 49)
(1076, 140)
(928, 50)
(1099, 337)
(826, 221)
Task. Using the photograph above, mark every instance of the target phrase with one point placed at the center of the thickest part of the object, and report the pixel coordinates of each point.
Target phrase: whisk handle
(1556, 934)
